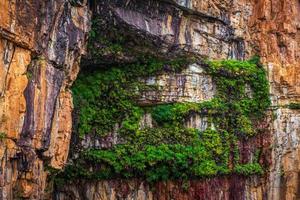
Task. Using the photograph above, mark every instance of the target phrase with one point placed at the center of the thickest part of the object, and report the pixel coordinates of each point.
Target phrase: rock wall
(224, 29)
(275, 31)
(275, 34)
(40, 47)
(212, 189)
(41, 43)
(219, 188)
(209, 29)
(191, 85)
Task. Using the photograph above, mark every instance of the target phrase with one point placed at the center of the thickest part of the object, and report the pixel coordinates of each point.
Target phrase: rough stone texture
(219, 188)
(61, 131)
(12, 110)
(191, 85)
(210, 189)
(222, 29)
(172, 28)
(40, 47)
(97, 142)
(275, 31)
(284, 178)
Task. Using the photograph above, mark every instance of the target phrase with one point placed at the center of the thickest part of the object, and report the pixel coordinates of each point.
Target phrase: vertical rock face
(211, 29)
(212, 189)
(284, 176)
(201, 27)
(275, 31)
(218, 188)
(41, 43)
(40, 47)
(227, 29)
(191, 85)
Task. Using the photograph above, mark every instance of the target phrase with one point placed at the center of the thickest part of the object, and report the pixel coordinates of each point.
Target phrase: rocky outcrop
(202, 28)
(41, 43)
(284, 176)
(191, 85)
(211, 189)
(275, 34)
(275, 30)
(219, 188)
(226, 29)
(40, 47)
(208, 29)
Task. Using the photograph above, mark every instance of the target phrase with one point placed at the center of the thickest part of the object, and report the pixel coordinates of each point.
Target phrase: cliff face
(40, 46)
(275, 33)
(41, 43)
(226, 30)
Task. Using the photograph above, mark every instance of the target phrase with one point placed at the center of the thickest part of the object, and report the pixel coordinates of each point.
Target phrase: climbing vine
(168, 150)
(293, 106)
(108, 96)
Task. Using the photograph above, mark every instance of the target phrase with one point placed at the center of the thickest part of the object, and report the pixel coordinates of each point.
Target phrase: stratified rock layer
(275, 31)
(211, 189)
(40, 47)
(41, 43)
(229, 29)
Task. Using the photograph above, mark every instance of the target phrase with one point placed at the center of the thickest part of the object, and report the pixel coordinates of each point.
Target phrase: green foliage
(107, 97)
(232, 78)
(29, 75)
(206, 156)
(3, 135)
(178, 112)
(156, 162)
(248, 169)
(164, 135)
(185, 185)
(294, 106)
(233, 103)
(169, 150)
(105, 44)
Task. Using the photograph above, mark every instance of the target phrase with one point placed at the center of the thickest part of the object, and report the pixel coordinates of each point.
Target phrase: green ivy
(203, 158)
(3, 135)
(248, 169)
(108, 96)
(169, 150)
(294, 106)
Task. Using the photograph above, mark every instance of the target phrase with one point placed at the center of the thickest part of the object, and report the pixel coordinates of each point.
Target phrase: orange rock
(25, 34)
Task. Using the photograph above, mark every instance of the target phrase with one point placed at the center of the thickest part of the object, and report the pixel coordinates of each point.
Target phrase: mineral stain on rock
(43, 45)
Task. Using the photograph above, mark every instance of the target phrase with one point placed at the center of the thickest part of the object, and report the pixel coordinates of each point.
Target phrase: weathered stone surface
(284, 174)
(40, 47)
(238, 29)
(275, 32)
(169, 28)
(210, 189)
(12, 110)
(60, 135)
(191, 85)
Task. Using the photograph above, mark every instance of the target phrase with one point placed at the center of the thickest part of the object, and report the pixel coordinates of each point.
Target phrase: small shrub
(3, 135)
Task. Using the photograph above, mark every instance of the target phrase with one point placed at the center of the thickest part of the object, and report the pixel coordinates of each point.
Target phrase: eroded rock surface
(236, 29)
(41, 43)
(275, 34)
(212, 189)
(40, 47)
(191, 85)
